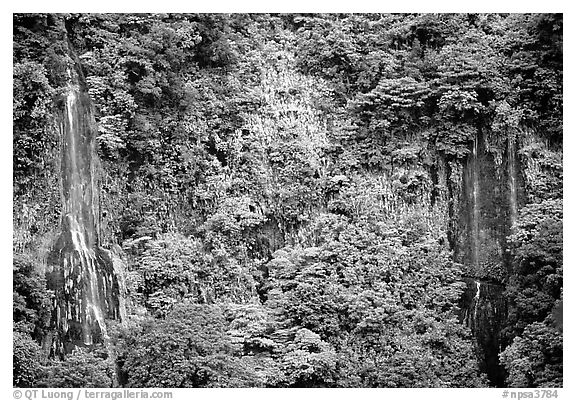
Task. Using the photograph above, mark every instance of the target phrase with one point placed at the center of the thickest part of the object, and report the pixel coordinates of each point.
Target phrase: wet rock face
(488, 208)
(85, 280)
(483, 310)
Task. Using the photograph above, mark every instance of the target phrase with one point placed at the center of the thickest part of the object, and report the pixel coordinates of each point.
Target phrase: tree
(31, 299)
(536, 281)
(174, 268)
(190, 348)
(535, 358)
(79, 369)
(380, 301)
(27, 360)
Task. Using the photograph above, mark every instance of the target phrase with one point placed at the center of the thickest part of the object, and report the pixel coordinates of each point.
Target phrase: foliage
(27, 359)
(544, 172)
(287, 187)
(31, 300)
(379, 300)
(80, 369)
(174, 268)
(188, 349)
(426, 354)
(536, 282)
(309, 361)
(535, 358)
(32, 102)
(232, 228)
(401, 74)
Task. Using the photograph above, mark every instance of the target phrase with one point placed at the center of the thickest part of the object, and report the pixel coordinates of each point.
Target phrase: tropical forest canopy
(286, 193)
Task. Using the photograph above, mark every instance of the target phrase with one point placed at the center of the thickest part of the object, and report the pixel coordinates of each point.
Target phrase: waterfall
(483, 311)
(79, 222)
(512, 180)
(86, 282)
(475, 204)
(476, 300)
(471, 310)
(489, 207)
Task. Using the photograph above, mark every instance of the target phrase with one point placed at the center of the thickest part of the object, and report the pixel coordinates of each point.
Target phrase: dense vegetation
(284, 190)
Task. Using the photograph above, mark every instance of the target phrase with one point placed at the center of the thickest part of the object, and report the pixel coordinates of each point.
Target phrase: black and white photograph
(287, 200)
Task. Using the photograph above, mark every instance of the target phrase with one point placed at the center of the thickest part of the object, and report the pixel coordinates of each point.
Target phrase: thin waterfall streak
(512, 179)
(475, 205)
(476, 300)
(70, 104)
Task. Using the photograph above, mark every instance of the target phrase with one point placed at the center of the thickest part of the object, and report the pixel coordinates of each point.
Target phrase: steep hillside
(288, 200)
